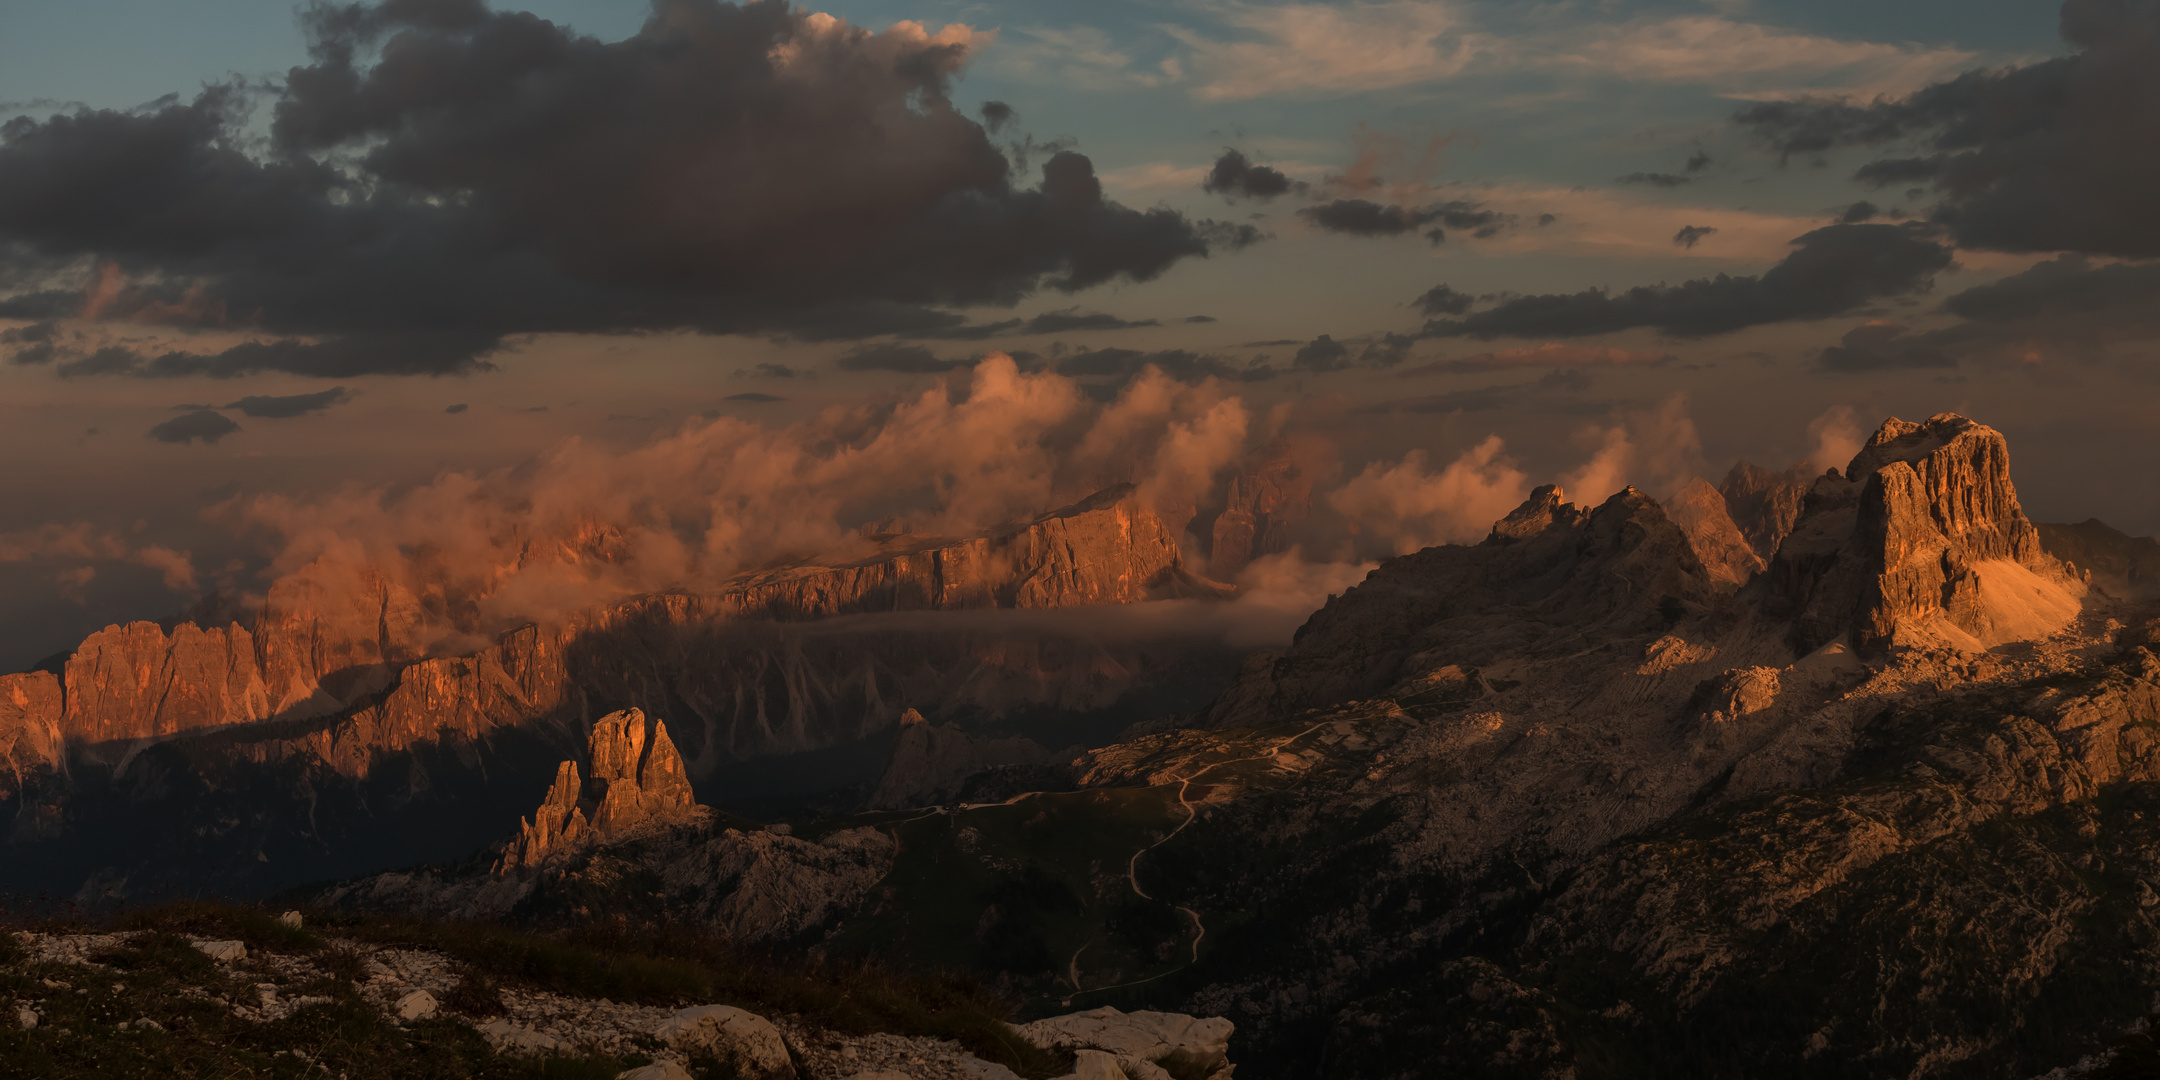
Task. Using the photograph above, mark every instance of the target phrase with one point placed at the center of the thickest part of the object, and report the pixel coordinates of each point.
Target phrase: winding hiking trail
(1132, 865)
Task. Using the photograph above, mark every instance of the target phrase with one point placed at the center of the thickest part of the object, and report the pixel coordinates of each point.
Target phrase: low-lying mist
(1262, 499)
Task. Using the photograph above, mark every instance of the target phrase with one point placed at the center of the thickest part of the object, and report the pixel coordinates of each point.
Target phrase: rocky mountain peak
(1763, 504)
(930, 763)
(1551, 576)
(1702, 513)
(1921, 541)
(1545, 507)
(637, 783)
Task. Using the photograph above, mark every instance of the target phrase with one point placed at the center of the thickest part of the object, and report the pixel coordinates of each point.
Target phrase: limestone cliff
(343, 667)
(1552, 576)
(1920, 541)
(1262, 505)
(636, 787)
(135, 681)
(1105, 549)
(2121, 565)
(30, 739)
(323, 646)
(1700, 512)
(1763, 504)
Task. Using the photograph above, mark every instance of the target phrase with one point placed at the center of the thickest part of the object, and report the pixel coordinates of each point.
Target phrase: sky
(281, 282)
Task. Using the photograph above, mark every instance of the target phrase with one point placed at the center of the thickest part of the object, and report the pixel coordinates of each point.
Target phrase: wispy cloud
(1751, 60)
(1329, 49)
(1074, 58)
(1248, 50)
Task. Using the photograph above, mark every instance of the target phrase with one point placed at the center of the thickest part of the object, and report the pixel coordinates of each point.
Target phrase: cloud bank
(442, 176)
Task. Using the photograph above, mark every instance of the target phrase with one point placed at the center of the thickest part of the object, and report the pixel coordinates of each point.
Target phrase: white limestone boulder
(509, 1038)
(744, 1039)
(658, 1070)
(1143, 1042)
(224, 951)
(418, 1005)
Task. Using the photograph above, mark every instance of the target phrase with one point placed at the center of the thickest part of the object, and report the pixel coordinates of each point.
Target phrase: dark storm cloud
(1834, 269)
(996, 115)
(49, 304)
(2060, 155)
(287, 407)
(455, 409)
(1879, 346)
(1120, 365)
(1235, 177)
(1198, 319)
(1072, 319)
(1476, 399)
(37, 343)
(1442, 300)
(440, 177)
(2064, 308)
(1324, 353)
(1698, 161)
(201, 425)
(1069, 320)
(2065, 288)
(891, 356)
(1657, 179)
(767, 371)
(753, 398)
(1362, 217)
(1859, 212)
(968, 332)
(1691, 235)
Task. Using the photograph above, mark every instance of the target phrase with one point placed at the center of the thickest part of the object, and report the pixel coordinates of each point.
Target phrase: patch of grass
(257, 928)
(474, 995)
(343, 962)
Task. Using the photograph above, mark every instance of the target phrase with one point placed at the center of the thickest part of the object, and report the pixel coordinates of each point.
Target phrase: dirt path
(1132, 868)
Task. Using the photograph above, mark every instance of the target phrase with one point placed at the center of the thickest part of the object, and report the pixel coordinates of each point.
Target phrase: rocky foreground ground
(170, 994)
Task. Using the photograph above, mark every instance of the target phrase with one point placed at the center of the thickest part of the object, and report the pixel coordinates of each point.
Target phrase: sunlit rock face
(1763, 504)
(1569, 747)
(30, 740)
(135, 681)
(1106, 549)
(1551, 575)
(1701, 512)
(357, 653)
(1921, 541)
(637, 784)
(339, 714)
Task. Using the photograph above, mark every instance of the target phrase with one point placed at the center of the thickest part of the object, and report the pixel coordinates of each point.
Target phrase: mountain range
(1850, 773)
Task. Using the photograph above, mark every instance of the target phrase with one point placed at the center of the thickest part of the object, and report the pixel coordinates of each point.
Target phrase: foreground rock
(1146, 1045)
(80, 976)
(743, 1041)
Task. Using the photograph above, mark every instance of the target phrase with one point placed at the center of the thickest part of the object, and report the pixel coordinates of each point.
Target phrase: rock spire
(636, 782)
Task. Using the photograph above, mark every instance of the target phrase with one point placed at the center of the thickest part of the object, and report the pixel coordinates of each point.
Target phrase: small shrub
(474, 994)
(343, 962)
